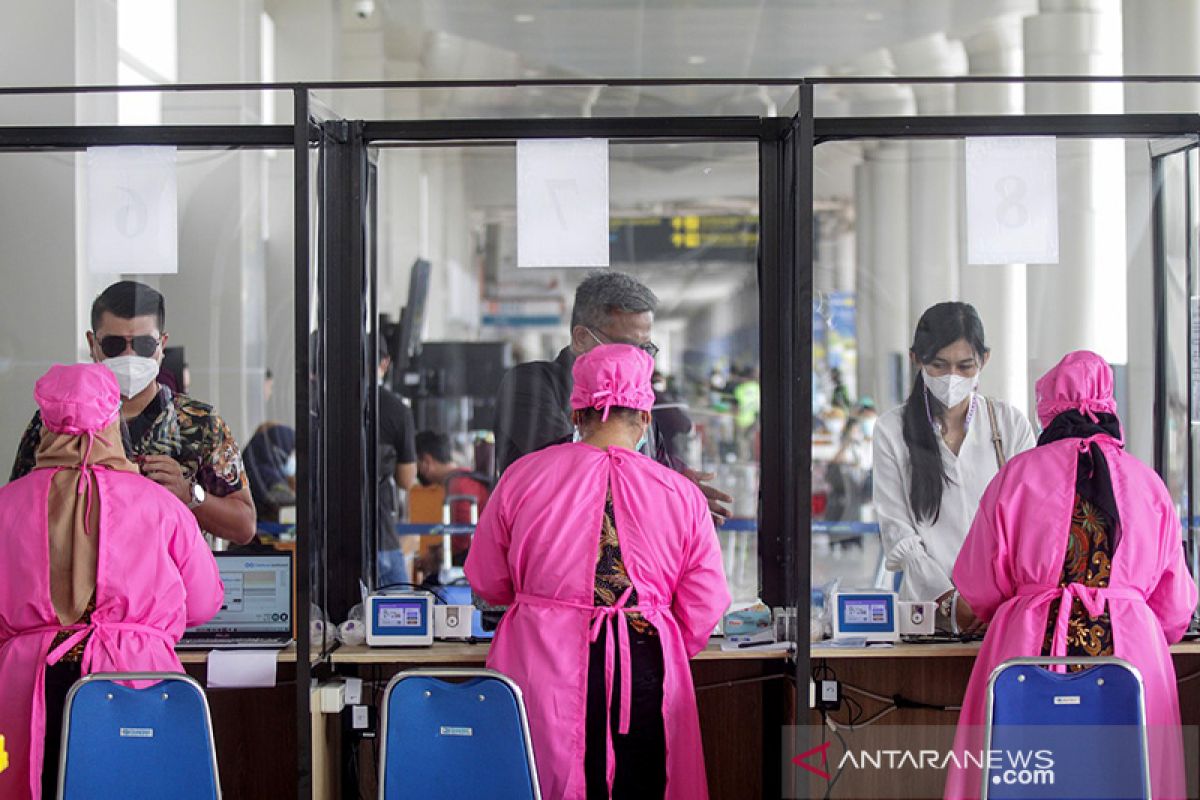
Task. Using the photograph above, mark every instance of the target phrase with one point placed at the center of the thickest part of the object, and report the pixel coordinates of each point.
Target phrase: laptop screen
(258, 596)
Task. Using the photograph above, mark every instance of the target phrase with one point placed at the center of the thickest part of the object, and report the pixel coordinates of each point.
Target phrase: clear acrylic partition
(892, 240)
(134, 107)
(1177, 295)
(988, 95)
(579, 100)
(683, 219)
(228, 308)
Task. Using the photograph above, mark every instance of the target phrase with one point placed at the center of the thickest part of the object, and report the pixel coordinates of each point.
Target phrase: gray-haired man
(534, 403)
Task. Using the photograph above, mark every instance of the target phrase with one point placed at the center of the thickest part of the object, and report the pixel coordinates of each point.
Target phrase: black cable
(416, 586)
(837, 776)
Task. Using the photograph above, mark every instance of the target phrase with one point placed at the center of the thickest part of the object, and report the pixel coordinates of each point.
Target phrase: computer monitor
(412, 317)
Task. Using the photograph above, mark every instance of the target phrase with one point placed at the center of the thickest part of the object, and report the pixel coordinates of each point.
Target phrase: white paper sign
(132, 223)
(562, 203)
(1012, 200)
(230, 669)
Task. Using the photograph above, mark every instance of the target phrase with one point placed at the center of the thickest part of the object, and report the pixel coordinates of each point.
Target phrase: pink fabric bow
(613, 375)
(1094, 599)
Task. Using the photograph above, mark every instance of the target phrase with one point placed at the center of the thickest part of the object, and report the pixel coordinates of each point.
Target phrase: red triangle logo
(823, 749)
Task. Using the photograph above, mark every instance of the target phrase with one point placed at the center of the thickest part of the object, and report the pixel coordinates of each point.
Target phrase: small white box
(452, 622)
(918, 619)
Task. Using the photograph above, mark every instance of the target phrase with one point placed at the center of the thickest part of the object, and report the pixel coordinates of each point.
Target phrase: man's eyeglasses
(144, 345)
(650, 348)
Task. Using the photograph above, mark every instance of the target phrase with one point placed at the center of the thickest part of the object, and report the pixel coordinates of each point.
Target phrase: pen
(756, 644)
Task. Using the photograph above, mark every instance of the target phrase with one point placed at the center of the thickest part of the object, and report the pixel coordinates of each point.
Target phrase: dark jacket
(533, 411)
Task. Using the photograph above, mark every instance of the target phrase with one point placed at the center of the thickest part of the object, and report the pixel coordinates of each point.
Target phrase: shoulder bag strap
(997, 441)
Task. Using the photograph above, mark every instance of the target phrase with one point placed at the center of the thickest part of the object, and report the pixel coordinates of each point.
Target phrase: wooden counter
(744, 699)
(938, 650)
(287, 655)
(466, 654)
(935, 676)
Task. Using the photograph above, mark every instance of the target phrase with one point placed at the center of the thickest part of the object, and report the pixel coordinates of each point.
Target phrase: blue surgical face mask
(642, 442)
(289, 467)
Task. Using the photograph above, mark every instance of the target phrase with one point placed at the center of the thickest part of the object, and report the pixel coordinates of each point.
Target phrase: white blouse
(926, 552)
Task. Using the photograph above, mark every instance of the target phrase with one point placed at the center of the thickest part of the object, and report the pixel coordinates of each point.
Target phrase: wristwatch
(948, 610)
(198, 495)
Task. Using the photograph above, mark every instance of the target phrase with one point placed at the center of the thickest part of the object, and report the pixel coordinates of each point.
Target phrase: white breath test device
(865, 614)
(400, 620)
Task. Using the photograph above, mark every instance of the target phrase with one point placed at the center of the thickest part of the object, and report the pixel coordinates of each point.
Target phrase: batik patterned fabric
(75, 654)
(184, 429)
(1088, 560)
(611, 578)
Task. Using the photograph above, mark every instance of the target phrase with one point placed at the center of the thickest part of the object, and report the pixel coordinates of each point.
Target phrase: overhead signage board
(717, 237)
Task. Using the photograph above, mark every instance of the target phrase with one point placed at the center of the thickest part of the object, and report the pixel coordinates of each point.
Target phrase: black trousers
(59, 680)
(641, 754)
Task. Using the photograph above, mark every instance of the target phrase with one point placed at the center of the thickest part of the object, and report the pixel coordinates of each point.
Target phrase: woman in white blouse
(936, 454)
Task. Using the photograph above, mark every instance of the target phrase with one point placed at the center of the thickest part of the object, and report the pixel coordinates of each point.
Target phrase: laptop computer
(257, 611)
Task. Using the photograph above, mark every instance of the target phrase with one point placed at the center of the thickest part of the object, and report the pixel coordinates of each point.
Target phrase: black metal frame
(786, 238)
(346, 302)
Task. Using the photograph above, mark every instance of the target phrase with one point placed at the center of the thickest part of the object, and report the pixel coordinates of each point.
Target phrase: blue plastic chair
(1066, 735)
(455, 733)
(120, 742)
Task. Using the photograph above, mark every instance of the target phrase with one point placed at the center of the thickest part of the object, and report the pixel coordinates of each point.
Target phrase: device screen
(865, 614)
(401, 617)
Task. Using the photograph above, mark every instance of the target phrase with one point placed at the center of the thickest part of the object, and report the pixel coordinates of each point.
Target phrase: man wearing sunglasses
(177, 442)
(533, 408)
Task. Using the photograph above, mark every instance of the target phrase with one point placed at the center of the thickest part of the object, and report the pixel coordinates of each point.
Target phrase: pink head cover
(1081, 382)
(78, 399)
(613, 375)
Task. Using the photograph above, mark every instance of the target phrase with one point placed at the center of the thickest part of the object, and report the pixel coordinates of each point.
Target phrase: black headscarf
(1093, 481)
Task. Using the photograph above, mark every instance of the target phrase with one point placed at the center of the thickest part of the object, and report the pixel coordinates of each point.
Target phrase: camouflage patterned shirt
(184, 429)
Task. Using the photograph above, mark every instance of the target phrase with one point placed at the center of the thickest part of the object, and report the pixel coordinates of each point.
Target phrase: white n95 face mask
(950, 389)
(134, 373)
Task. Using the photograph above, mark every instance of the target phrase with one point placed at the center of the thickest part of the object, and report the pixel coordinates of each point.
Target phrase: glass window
(892, 242)
(225, 350)
(457, 313)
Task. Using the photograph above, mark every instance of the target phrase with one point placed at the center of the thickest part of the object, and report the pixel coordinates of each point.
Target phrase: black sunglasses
(144, 345)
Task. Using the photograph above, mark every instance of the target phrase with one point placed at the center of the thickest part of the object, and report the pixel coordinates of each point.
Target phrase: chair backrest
(1085, 730)
(454, 733)
(122, 742)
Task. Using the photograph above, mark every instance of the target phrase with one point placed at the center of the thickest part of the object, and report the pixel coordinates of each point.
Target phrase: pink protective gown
(1011, 562)
(154, 576)
(535, 550)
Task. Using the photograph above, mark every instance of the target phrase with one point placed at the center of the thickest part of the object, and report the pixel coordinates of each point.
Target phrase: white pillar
(882, 243)
(1079, 302)
(933, 250)
(217, 303)
(1160, 38)
(47, 300)
(998, 292)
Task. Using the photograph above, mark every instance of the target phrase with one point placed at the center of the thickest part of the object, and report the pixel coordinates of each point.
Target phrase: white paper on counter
(132, 210)
(232, 669)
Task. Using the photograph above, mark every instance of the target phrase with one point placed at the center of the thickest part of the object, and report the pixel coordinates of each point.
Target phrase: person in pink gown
(102, 571)
(613, 572)
(1076, 551)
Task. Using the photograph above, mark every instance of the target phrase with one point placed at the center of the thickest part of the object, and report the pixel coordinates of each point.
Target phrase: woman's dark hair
(630, 416)
(941, 325)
